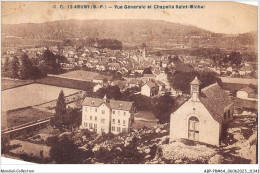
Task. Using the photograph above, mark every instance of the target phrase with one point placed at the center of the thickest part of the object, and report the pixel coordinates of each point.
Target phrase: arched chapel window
(193, 131)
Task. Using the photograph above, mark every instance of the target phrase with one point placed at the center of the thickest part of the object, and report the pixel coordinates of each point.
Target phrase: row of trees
(34, 68)
(110, 43)
(181, 80)
(23, 68)
(221, 59)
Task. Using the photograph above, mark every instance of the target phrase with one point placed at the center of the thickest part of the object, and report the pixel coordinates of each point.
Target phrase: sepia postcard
(129, 83)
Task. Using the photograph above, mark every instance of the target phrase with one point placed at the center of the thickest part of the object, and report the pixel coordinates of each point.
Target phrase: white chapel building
(202, 117)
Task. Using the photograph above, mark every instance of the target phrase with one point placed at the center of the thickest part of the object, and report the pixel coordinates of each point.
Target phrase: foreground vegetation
(147, 146)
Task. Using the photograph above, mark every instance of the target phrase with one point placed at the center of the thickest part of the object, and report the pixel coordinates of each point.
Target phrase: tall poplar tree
(58, 119)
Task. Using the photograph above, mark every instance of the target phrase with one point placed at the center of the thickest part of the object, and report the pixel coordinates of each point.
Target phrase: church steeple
(143, 52)
(194, 89)
(105, 99)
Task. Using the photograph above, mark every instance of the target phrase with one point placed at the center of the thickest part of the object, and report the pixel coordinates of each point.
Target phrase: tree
(235, 58)
(163, 108)
(181, 80)
(73, 119)
(159, 54)
(112, 92)
(25, 67)
(137, 74)
(116, 75)
(64, 151)
(14, 68)
(110, 43)
(148, 70)
(6, 67)
(5, 143)
(51, 62)
(142, 102)
(58, 119)
(129, 92)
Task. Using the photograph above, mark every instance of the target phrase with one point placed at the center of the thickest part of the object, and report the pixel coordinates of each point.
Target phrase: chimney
(194, 89)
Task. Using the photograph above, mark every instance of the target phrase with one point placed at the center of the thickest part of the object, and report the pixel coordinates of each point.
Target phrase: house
(135, 83)
(140, 71)
(162, 76)
(149, 77)
(149, 89)
(245, 70)
(113, 66)
(89, 65)
(103, 115)
(247, 93)
(122, 116)
(164, 64)
(161, 85)
(97, 87)
(100, 67)
(230, 69)
(121, 84)
(203, 116)
(175, 92)
(102, 79)
(237, 83)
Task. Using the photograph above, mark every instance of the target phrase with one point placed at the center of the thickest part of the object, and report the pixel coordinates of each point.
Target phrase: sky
(219, 17)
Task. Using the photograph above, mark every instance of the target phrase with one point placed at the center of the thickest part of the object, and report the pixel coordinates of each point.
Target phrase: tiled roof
(149, 75)
(95, 102)
(160, 83)
(246, 68)
(122, 105)
(247, 89)
(150, 84)
(120, 83)
(135, 81)
(215, 100)
(239, 80)
(156, 71)
(113, 104)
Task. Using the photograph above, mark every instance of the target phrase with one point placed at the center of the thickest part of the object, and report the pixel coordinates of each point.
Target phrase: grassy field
(145, 115)
(30, 95)
(66, 83)
(79, 75)
(8, 84)
(144, 119)
(22, 116)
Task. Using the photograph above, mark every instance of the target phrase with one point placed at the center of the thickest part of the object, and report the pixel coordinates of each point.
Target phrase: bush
(64, 151)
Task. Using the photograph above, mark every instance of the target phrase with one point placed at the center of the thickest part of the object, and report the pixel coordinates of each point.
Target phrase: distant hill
(155, 33)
